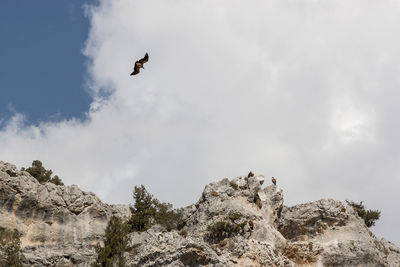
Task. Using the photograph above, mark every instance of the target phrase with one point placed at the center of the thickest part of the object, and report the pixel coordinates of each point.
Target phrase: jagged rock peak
(321, 233)
(235, 222)
(240, 203)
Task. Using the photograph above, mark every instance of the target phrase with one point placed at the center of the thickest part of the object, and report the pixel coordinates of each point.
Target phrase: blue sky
(42, 68)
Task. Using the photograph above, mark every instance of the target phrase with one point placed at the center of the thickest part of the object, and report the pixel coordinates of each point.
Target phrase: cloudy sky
(304, 90)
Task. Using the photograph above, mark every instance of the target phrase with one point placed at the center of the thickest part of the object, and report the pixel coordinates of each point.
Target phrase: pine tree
(148, 211)
(143, 211)
(167, 216)
(115, 244)
(369, 216)
(41, 174)
(10, 248)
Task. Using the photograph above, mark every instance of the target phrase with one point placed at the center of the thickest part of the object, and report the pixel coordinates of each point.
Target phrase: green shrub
(168, 217)
(369, 216)
(224, 229)
(10, 248)
(233, 216)
(56, 180)
(115, 244)
(41, 174)
(148, 211)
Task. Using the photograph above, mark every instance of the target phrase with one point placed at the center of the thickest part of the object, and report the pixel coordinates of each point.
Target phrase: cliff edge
(235, 223)
(59, 224)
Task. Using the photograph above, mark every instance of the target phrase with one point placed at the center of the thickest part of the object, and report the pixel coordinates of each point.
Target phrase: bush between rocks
(41, 174)
(369, 216)
(146, 212)
(226, 229)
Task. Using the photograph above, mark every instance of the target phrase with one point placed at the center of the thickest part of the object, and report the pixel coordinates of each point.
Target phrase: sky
(42, 68)
(306, 91)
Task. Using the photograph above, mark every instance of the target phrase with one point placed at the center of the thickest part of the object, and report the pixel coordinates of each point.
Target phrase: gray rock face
(321, 233)
(154, 248)
(60, 225)
(330, 233)
(259, 244)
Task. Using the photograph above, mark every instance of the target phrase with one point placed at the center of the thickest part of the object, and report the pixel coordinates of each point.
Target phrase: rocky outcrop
(59, 224)
(330, 233)
(321, 233)
(241, 202)
(235, 223)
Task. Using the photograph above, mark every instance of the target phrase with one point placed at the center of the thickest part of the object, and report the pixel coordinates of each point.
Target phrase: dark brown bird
(139, 64)
(251, 224)
(250, 175)
(274, 180)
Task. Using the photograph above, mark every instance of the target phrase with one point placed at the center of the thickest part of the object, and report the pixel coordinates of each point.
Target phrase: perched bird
(251, 224)
(250, 174)
(139, 64)
(274, 180)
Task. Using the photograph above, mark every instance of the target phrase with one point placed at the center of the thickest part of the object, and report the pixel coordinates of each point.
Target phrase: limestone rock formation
(59, 224)
(241, 202)
(330, 233)
(235, 223)
(321, 233)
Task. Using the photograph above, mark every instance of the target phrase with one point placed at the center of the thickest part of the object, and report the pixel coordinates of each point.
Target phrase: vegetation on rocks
(41, 174)
(10, 248)
(271, 236)
(115, 244)
(226, 228)
(148, 211)
(369, 216)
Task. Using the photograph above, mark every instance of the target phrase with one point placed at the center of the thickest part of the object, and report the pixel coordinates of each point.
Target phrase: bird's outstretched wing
(144, 59)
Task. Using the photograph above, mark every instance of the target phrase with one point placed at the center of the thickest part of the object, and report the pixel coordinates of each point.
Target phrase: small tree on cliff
(143, 210)
(148, 211)
(167, 216)
(369, 216)
(41, 174)
(10, 248)
(115, 244)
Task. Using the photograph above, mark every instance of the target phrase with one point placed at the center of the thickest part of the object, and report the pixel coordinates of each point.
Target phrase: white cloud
(303, 90)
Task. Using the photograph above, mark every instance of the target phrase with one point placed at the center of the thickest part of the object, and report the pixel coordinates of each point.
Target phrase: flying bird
(139, 64)
(274, 180)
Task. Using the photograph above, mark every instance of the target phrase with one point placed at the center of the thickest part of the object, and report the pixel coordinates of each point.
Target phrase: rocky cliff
(60, 224)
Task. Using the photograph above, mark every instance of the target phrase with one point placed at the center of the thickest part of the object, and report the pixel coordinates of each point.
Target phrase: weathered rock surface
(321, 233)
(330, 233)
(60, 224)
(260, 243)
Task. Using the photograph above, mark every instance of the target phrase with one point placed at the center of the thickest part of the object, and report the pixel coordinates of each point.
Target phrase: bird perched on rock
(250, 175)
(251, 225)
(274, 180)
(139, 64)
